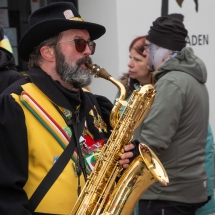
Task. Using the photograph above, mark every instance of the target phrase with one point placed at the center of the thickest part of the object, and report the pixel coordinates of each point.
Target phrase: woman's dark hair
(138, 45)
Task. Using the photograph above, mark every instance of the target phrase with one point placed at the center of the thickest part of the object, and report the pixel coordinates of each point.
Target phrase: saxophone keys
(118, 155)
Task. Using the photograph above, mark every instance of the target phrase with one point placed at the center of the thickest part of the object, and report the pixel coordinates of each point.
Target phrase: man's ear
(47, 53)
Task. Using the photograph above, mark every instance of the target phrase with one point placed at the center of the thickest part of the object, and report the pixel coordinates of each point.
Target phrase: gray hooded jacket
(175, 128)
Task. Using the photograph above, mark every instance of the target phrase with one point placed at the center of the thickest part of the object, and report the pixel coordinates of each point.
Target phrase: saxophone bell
(145, 170)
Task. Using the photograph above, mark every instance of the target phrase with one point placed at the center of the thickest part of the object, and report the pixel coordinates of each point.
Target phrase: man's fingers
(129, 147)
(124, 161)
(125, 166)
(126, 155)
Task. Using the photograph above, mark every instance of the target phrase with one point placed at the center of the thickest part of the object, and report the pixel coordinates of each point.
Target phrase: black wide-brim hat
(49, 21)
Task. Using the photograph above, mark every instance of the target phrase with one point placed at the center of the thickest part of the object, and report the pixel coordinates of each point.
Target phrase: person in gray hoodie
(175, 127)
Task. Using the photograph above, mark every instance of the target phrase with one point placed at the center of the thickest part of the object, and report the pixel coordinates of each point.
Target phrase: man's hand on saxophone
(131, 151)
(127, 155)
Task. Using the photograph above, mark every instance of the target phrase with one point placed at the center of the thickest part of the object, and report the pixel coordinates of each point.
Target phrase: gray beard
(74, 75)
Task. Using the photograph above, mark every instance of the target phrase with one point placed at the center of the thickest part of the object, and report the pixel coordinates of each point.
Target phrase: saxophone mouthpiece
(97, 71)
(89, 65)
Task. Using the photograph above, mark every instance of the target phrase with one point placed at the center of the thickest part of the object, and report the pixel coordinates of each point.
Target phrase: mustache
(84, 60)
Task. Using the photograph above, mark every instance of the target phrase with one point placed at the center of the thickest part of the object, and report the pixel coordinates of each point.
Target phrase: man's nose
(87, 50)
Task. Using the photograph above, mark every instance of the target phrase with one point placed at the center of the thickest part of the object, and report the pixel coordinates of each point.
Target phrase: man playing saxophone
(43, 115)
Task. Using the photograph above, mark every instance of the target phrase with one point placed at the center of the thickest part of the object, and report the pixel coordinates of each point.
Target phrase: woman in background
(138, 73)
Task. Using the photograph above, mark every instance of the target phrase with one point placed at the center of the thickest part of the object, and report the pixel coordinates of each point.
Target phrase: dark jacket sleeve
(7, 77)
(13, 158)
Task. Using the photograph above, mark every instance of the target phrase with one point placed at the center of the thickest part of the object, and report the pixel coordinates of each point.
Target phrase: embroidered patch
(68, 131)
(91, 153)
(55, 159)
(97, 120)
(91, 159)
(68, 14)
(67, 113)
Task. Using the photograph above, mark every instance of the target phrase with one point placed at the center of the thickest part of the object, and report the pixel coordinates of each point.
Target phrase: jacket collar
(56, 92)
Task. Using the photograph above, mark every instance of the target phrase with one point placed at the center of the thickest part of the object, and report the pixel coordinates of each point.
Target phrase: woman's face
(138, 66)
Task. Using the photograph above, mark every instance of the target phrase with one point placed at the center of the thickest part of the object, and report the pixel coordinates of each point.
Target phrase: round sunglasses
(80, 45)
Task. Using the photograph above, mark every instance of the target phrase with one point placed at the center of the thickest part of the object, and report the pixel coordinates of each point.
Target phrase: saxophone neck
(97, 71)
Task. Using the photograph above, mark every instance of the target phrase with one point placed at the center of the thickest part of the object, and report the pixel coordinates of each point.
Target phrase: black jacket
(13, 132)
(8, 71)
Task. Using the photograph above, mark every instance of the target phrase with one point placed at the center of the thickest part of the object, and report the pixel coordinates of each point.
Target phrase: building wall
(106, 55)
(125, 19)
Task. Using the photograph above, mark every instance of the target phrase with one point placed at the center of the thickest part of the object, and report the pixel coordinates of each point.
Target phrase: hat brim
(49, 28)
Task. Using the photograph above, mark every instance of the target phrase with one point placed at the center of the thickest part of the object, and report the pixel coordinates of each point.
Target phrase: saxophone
(109, 190)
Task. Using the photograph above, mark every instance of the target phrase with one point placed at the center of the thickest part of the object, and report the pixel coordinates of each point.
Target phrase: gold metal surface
(101, 193)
